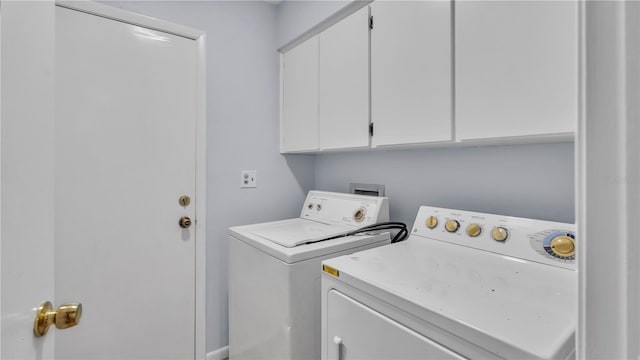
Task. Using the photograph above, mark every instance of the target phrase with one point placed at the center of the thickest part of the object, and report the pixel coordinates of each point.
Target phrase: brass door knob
(66, 316)
(185, 222)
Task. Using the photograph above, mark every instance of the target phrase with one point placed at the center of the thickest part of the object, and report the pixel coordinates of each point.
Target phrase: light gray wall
(296, 17)
(520, 180)
(242, 130)
(534, 181)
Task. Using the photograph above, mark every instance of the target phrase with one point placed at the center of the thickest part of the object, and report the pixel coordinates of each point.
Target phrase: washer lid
(290, 255)
(295, 233)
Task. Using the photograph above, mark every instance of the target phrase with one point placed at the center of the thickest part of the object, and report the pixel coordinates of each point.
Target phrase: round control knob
(474, 230)
(359, 214)
(452, 226)
(499, 233)
(432, 222)
(563, 246)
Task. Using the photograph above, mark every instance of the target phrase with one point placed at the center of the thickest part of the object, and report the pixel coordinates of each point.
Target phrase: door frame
(199, 198)
(608, 178)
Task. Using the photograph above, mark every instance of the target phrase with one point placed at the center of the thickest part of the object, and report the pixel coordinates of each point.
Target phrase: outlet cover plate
(249, 178)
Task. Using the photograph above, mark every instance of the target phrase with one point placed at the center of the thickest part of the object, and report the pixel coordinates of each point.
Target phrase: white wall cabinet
(516, 68)
(411, 72)
(344, 83)
(299, 124)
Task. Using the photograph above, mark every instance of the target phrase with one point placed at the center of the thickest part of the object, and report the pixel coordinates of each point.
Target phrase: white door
(26, 216)
(122, 151)
(125, 153)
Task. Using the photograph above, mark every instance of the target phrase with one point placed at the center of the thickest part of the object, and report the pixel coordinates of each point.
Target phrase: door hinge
(371, 22)
(371, 129)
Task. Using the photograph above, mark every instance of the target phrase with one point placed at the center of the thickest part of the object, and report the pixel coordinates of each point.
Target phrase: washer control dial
(359, 214)
(452, 226)
(499, 233)
(432, 222)
(561, 245)
(474, 230)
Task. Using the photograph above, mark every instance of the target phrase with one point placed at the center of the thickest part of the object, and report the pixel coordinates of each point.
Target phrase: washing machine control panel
(548, 242)
(345, 209)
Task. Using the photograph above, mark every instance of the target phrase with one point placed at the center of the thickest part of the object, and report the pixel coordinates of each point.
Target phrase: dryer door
(357, 332)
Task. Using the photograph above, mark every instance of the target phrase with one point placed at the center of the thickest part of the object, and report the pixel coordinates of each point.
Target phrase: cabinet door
(344, 83)
(411, 72)
(355, 331)
(299, 124)
(516, 68)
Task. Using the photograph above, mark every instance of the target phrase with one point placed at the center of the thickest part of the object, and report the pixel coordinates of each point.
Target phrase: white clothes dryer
(463, 286)
(274, 273)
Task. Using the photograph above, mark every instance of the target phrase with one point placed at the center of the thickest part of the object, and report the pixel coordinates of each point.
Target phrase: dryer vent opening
(366, 189)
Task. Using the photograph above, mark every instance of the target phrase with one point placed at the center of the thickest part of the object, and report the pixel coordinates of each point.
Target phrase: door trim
(200, 196)
(201, 200)
(128, 17)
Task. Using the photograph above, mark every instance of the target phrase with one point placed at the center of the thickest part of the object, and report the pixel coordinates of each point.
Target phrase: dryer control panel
(345, 209)
(547, 242)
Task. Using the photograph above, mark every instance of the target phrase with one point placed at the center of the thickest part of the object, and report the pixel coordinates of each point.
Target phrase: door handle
(66, 316)
(337, 341)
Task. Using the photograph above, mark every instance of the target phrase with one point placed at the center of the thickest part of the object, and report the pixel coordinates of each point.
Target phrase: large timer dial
(560, 245)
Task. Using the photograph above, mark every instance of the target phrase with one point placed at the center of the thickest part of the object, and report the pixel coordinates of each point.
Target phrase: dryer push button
(432, 222)
(474, 230)
(499, 233)
(452, 226)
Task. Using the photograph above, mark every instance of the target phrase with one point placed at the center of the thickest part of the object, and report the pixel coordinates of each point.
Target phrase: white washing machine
(463, 286)
(274, 273)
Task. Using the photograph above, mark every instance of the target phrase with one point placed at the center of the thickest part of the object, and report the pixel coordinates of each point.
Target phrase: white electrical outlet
(249, 178)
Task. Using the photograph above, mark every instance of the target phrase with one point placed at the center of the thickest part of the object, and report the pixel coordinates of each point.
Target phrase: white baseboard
(219, 354)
